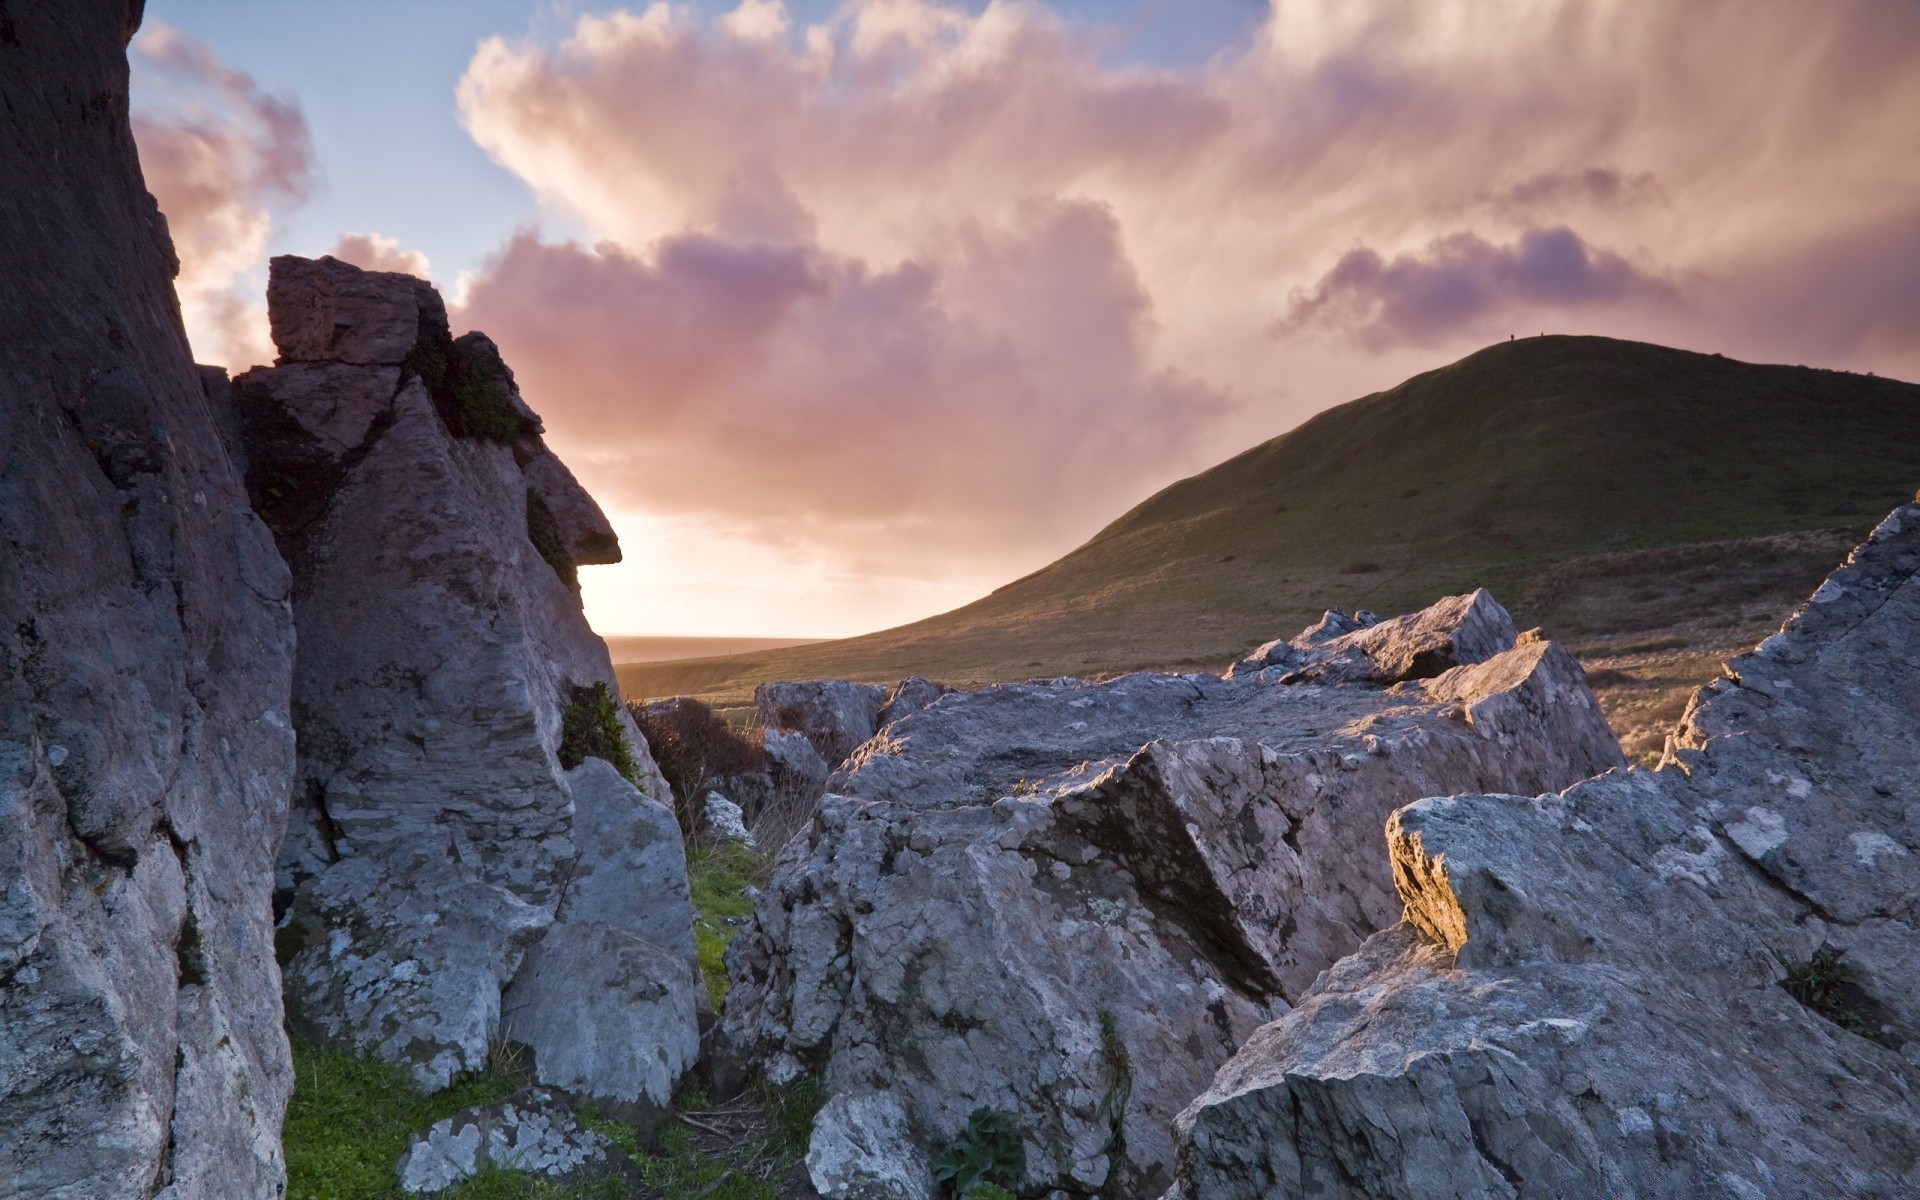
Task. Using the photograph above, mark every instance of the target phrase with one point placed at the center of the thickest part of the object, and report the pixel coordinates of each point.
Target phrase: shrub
(1830, 988)
(988, 1153)
(694, 746)
(544, 532)
(590, 728)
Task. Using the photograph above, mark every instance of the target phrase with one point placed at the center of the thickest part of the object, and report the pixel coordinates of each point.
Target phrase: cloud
(932, 289)
(371, 252)
(984, 404)
(1459, 283)
(218, 153)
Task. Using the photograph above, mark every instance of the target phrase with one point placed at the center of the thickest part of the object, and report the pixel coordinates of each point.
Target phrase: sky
(850, 312)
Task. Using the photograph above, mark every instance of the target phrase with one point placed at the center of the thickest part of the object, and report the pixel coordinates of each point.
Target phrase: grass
(1495, 471)
(351, 1119)
(590, 727)
(719, 874)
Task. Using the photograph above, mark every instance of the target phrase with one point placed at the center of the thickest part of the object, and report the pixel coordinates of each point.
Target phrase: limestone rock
(725, 820)
(146, 749)
(1588, 995)
(325, 310)
(610, 1018)
(834, 714)
(910, 695)
(436, 834)
(1071, 901)
(797, 773)
(531, 1131)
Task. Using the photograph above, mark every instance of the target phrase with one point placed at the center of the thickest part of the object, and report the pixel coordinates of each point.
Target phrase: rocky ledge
(1070, 902)
(1700, 981)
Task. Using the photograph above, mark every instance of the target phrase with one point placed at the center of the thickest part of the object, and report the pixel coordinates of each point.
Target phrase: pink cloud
(993, 400)
(371, 252)
(1460, 283)
(218, 153)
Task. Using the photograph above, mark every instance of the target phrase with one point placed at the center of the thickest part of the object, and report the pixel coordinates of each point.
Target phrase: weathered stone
(1587, 995)
(436, 835)
(585, 532)
(1008, 900)
(797, 773)
(725, 820)
(609, 1017)
(910, 695)
(834, 714)
(531, 1131)
(325, 310)
(145, 656)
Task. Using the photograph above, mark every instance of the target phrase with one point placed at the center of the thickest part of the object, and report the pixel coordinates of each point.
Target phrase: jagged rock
(725, 819)
(610, 1018)
(436, 836)
(1587, 997)
(910, 695)
(146, 749)
(797, 773)
(531, 1131)
(834, 714)
(585, 533)
(325, 310)
(1010, 901)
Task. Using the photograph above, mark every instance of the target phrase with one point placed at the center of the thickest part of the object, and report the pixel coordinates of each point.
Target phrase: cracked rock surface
(437, 838)
(146, 647)
(1589, 995)
(1071, 901)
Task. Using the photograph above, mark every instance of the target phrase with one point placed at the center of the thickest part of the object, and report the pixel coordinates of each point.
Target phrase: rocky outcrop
(1070, 902)
(835, 715)
(476, 812)
(1699, 981)
(146, 646)
(531, 1131)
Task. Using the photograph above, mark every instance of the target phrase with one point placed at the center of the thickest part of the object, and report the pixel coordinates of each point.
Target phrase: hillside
(1560, 472)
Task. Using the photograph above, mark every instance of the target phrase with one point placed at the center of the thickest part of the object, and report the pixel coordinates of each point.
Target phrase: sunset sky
(849, 313)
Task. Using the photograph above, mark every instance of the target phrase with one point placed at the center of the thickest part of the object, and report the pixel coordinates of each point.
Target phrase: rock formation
(1701, 981)
(1070, 902)
(475, 811)
(531, 1131)
(146, 750)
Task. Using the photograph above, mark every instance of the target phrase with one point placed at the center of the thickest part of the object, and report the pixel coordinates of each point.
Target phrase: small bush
(590, 728)
(694, 746)
(1830, 988)
(988, 1152)
(544, 532)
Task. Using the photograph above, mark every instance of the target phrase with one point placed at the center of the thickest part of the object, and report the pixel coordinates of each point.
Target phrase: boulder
(610, 1018)
(1070, 901)
(1693, 981)
(835, 715)
(457, 717)
(910, 695)
(325, 310)
(725, 820)
(797, 774)
(146, 650)
(531, 1131)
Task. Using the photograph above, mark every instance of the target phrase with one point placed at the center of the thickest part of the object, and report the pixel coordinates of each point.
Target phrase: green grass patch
(719, 874)
(350, 1120)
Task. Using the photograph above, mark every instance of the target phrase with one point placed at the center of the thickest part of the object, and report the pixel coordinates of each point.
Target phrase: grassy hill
(1560, 472)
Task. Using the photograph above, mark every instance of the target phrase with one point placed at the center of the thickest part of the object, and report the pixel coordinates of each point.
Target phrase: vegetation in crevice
(590, 728)
(741, 1150)
(984, 1160)
(1832, 989)
(460, 376)
(544, 532)
(719, 873)
(1119, 1064)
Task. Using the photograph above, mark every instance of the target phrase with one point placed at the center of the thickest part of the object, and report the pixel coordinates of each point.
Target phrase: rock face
(531, 1131)
(1070, 902)
(1599, 993)
(438, 836)
(146, 750)
(834, 714)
